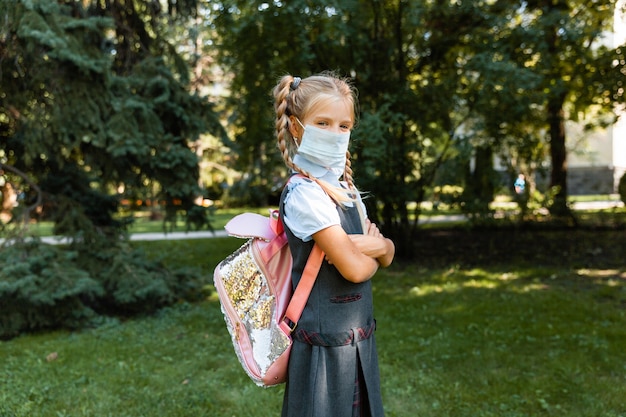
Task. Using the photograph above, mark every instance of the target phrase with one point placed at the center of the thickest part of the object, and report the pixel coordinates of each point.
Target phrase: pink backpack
(254, 289)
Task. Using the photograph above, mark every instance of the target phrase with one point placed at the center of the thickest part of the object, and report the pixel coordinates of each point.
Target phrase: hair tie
(295, 83)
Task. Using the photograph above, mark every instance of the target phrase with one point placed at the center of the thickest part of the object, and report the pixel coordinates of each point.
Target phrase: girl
(333, 367)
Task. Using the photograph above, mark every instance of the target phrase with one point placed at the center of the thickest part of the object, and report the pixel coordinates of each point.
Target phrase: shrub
(44, 286)
(134, 284)
(41, 287)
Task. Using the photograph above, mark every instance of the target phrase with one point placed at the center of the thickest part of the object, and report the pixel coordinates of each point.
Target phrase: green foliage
(93, 109)
(450, 195)
(132, 283)
(75, 206)
(260, 42)
(438, 83)
(199, 217)
(86, 113)
(42, 287)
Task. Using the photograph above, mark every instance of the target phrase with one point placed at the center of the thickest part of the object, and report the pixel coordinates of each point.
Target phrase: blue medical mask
(324, 147)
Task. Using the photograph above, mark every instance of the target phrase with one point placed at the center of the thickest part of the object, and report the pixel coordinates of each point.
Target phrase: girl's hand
(372, 229)
(365, 244)
(341, 251)
(374, 244)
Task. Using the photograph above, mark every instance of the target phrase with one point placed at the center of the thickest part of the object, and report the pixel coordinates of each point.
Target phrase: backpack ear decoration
(295, 83)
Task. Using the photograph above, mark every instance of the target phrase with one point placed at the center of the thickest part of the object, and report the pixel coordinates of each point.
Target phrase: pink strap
(303, 290)
(276, 222)
(307, 280)
(273, 247)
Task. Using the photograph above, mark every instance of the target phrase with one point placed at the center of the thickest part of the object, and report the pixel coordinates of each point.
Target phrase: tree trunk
(556, 118)
(479, 184)
(558, 155)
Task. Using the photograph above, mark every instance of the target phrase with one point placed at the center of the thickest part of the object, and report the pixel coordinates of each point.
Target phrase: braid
(282, 118)
(347, 173)
(285, 139)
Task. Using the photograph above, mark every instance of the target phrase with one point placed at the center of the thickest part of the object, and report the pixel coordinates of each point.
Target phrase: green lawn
(501, 341)
(142, 223)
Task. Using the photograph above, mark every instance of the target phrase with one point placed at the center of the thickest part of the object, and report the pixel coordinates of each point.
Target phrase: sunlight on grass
(458, 280)
(143, 222)
(602, 273)
(500, 343)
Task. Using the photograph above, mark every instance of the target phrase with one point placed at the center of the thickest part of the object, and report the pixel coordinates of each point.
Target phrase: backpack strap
(276, 223)
(303, 290)
(301, 294)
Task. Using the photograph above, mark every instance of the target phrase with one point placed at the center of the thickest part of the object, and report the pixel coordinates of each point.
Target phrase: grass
(144, 224)
(492, 342)
(506, 339)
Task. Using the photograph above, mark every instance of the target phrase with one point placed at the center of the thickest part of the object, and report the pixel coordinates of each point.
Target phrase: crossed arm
(357, 257)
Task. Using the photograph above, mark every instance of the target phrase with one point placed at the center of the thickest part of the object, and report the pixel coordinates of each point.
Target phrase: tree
(562, 42)
(402, 136)
(90, 96)
(95, 104)
(259, 42)
(440, 83)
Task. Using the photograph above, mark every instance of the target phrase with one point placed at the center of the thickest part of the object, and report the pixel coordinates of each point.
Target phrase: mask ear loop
(295, 139)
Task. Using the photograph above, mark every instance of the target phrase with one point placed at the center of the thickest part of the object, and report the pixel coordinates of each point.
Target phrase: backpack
(254, 288)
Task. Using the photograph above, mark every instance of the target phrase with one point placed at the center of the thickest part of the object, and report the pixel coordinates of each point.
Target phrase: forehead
(332, 108)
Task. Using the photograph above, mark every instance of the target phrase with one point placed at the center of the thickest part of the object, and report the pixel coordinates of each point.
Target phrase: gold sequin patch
(247, 289)
(246, 286)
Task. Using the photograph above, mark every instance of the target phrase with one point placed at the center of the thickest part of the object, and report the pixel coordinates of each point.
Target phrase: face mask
(325, 148)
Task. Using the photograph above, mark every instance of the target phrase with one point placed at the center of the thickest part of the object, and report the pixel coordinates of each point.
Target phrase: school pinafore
(333, 367)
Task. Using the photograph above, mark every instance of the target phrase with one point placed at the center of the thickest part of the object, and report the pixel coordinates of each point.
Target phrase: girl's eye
(345, 127)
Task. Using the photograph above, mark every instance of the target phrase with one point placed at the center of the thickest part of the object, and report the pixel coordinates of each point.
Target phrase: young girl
(333, 367)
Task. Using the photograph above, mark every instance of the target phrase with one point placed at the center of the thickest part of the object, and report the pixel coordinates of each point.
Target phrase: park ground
(494, 322)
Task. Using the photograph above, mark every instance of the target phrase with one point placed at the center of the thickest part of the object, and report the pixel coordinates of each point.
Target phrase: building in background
(597, 160)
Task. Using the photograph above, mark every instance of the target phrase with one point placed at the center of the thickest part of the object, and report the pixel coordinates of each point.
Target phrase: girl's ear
(294, 127)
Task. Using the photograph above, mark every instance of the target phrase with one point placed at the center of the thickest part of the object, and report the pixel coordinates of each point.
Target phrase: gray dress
(333, 367)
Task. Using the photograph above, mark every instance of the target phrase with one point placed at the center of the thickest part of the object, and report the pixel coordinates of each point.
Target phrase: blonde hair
(296, 97)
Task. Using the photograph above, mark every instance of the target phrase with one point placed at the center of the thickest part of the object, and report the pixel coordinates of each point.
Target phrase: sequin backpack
(254, 289)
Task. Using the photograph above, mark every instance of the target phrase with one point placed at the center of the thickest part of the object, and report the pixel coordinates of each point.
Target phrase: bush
(44, 286)
(134, 284)
(41, 287)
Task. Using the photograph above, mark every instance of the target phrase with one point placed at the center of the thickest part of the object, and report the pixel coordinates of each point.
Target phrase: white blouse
(308, 209)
